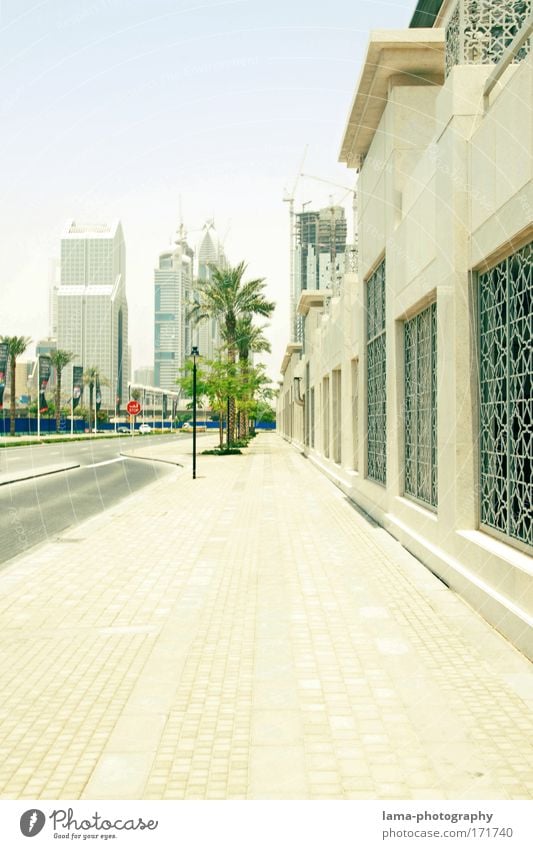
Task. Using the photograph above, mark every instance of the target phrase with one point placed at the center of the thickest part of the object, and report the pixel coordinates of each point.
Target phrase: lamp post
(194, 355)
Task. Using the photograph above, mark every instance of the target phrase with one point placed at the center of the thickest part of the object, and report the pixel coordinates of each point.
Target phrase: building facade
(144, 376)
(411, 388)
(173, 281)
(92, 310)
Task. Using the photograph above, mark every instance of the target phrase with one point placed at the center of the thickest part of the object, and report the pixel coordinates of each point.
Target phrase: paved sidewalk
(250, 635)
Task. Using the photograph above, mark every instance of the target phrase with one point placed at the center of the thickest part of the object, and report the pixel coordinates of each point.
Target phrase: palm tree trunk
(220, 430)
(12, 400)
(232, 357)
(58, 400)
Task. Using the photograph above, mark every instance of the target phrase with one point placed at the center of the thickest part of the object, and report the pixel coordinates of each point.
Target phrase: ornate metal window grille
(376, 377)
(355, 413)
(420, 339)
(478, 31)
(506, 440)
(453, 40)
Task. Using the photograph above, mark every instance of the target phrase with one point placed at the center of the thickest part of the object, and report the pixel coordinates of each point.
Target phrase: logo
(32, 822)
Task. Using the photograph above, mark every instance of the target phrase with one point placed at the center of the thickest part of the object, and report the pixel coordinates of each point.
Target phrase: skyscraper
(210, 253)
(92, 310)
(173, 281)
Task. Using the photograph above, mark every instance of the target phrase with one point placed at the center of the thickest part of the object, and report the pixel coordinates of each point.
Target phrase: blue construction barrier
(28, 426)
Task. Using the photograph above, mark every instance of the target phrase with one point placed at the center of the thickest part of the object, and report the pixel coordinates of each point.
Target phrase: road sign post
(134, 408)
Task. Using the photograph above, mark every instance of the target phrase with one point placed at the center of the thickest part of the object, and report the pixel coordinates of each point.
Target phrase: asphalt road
(36, 510)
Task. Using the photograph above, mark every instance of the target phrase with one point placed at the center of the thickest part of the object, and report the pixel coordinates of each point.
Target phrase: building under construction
(319, 251)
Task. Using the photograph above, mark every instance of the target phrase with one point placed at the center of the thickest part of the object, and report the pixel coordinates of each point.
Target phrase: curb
(24, 476)
(151, 459)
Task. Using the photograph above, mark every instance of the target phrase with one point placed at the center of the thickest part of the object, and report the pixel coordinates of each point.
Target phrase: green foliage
(16, 345)
(264, 412)
(220, 452)
(226, 297)
(234, 303)
(59, 359)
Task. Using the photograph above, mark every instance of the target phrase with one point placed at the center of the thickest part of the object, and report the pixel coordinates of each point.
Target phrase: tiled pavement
(250, 635)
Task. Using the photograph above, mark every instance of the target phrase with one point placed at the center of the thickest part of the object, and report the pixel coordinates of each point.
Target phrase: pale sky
(116, 108)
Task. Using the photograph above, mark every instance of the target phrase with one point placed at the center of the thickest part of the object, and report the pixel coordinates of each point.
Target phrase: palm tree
(16, 345)
(227, 298)
(60, 359)
(250, 340)
(92, 378)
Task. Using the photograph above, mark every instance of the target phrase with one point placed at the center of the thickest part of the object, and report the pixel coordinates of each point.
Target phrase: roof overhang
(426, 13)
(292, 348)
(417, 54)
(312, 299)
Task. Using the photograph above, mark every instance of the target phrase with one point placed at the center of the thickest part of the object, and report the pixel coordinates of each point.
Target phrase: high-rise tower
(92, 310)
(210, 253)
(173, 281)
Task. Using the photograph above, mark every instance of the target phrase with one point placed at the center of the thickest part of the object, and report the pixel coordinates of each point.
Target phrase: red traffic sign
(133, 408)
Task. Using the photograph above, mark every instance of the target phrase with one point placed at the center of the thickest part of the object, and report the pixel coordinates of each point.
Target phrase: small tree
(16, 345)
(222, 383)
(253, 390)
(250, 339)
(226, 297)
(60, 359)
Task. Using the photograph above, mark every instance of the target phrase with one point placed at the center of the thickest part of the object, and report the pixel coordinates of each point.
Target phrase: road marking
(105, 463)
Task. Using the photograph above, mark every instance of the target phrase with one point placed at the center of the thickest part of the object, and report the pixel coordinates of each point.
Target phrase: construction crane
(288, 197)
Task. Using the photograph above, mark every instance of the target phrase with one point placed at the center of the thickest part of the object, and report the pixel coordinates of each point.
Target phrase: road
(35, 510)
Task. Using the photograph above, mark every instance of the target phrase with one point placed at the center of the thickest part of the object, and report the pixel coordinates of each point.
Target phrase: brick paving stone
(250, 635)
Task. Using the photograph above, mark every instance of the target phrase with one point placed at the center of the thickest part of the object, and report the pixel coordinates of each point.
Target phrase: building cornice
(417, 54)
(292, 348)
(312, 299)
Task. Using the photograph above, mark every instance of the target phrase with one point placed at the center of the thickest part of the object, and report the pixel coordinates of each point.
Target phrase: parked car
(144, 428)
(123, 429)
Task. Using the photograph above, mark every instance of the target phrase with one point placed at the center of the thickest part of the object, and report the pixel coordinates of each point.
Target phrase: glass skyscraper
(92, 310)
(173, 281)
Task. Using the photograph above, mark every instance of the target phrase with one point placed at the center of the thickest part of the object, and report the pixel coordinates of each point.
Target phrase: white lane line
(105, 463)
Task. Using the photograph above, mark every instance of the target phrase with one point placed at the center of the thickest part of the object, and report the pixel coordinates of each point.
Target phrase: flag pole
(72, 406)
(38, 397)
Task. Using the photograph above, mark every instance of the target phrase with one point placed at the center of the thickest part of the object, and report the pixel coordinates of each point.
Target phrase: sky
(127, 108)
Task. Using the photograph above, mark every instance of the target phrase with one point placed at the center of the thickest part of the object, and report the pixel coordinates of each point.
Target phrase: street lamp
(194, 355)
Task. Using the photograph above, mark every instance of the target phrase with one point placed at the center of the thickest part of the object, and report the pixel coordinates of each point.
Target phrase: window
(420, 391)
(355, 413)
(307, 414)
(505, 314)
(337, 415)
(312, 413)
(376, 376)
(479, 31)
(325, 416)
